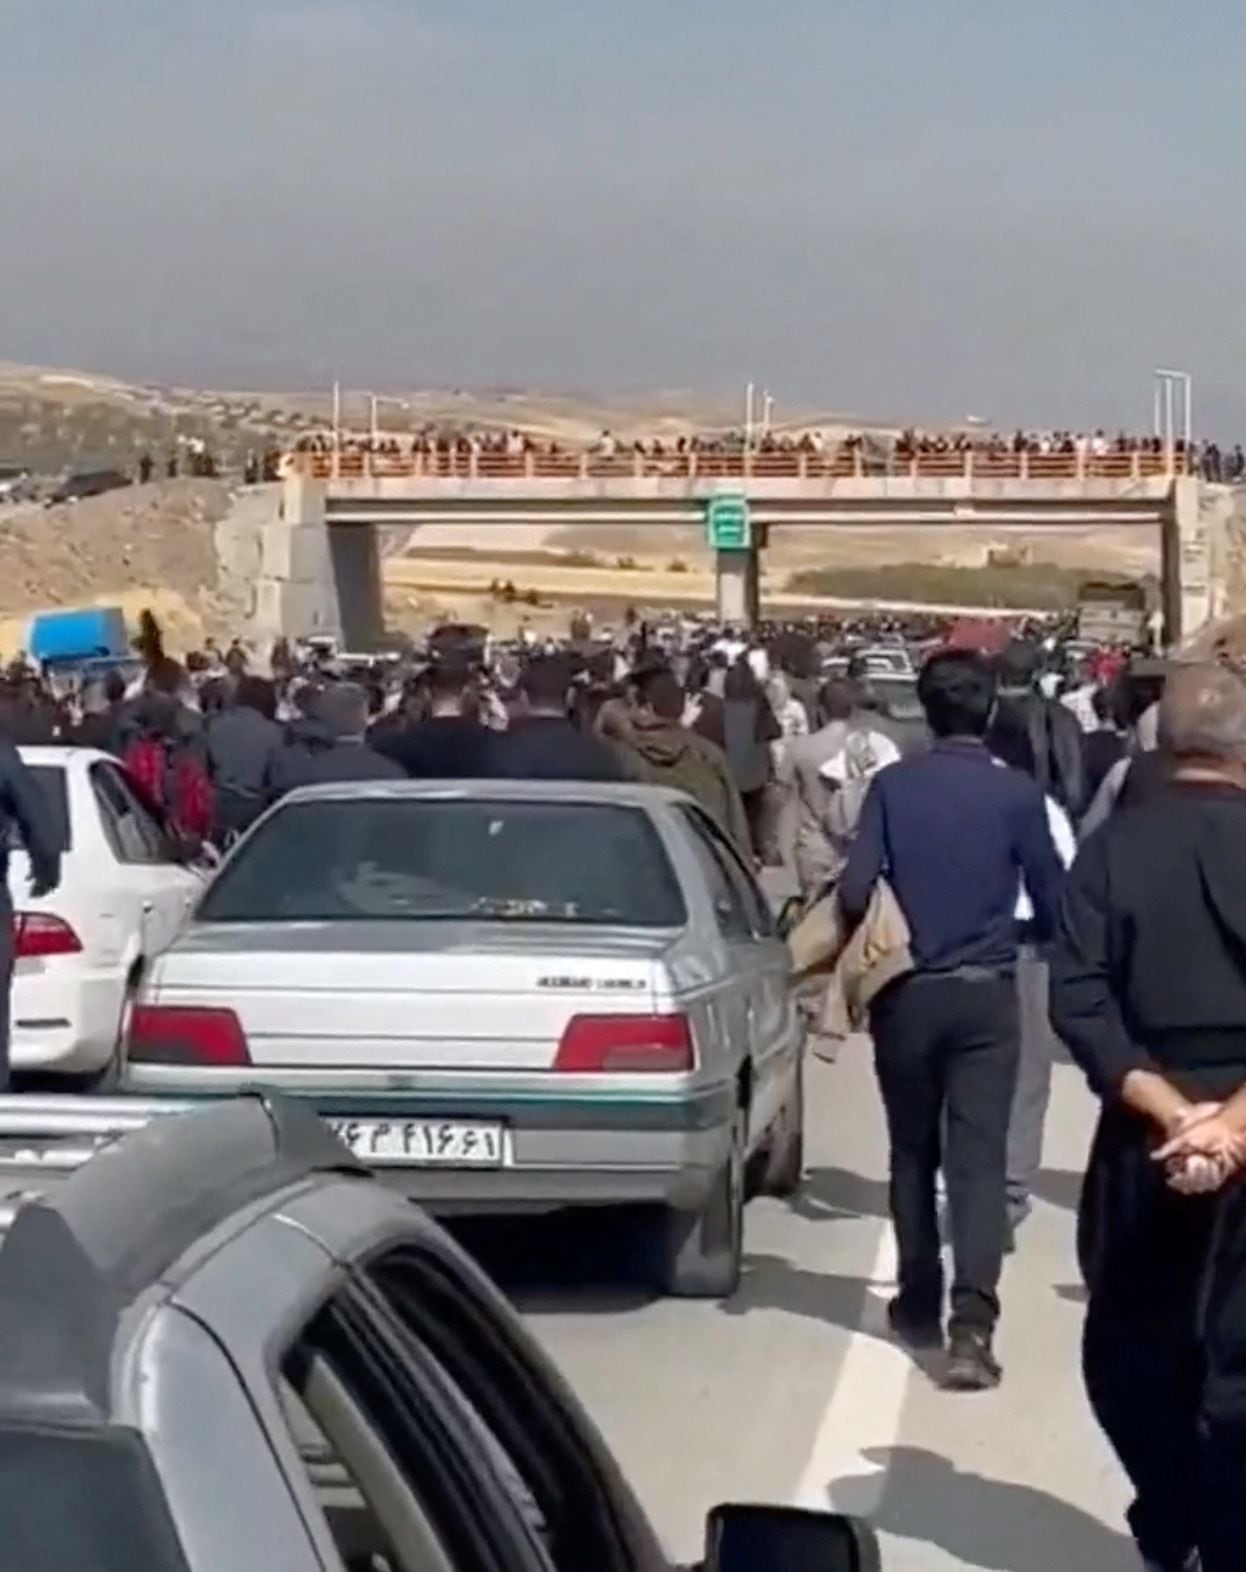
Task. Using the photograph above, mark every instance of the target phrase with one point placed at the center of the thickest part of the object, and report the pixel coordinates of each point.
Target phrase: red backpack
(177, 782)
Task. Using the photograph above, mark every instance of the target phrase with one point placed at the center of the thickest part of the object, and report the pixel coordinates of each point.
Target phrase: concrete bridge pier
(739, 587)
(316, 578)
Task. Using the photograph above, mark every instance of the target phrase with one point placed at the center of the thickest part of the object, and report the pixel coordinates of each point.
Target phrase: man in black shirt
(542, 743)
(1148, 990)
(450, 744)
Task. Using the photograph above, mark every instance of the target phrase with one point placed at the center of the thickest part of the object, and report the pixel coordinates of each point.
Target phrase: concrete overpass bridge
(319, 567)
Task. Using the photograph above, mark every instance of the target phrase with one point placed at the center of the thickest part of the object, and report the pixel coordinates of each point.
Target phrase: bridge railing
(461, 464)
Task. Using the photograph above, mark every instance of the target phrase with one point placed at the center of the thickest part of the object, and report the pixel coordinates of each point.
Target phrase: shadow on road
(1059, 1187)
(564, 1263)
(980, 1522)
(838, 1193)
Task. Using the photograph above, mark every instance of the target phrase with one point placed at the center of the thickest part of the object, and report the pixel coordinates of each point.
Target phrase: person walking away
(1133, 781)
(24, 807)
(243, 741)
(330, 744)
(542, 742)
(1079, 697)
(953, 832)
(1049, 730)
(1148, 991)
(1104, 745)
(1028, 1120)
(450, 744)
(167, 767)
(817, 857)
(744, 726)
(659, 750)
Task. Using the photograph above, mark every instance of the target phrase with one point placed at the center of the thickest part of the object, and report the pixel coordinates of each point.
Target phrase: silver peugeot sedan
(502, 995)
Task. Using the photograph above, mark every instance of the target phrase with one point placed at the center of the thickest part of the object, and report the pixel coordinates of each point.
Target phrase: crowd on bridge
(876, 451)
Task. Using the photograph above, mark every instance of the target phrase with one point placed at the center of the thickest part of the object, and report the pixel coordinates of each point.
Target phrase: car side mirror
(786, 1539)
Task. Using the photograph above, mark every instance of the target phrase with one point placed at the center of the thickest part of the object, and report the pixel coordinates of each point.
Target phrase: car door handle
(148, 908)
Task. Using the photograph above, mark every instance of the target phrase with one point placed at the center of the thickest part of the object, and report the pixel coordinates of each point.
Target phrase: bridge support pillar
(739, 587)
(1194, 569)
(317, 578)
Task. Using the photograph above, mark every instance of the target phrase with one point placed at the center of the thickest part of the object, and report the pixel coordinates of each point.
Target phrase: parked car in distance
(502, 995)
(88, 483)
(251, 1354)
(79, 951)
(885, 660)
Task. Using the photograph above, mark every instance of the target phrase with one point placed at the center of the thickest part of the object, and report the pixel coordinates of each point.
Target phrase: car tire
(783, 1165)
(700, 1254)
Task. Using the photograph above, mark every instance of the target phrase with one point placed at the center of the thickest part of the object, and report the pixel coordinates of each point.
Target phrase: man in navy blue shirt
(955, 833)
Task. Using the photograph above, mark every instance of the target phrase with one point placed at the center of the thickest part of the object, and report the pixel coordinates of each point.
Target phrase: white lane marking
(866, 1407)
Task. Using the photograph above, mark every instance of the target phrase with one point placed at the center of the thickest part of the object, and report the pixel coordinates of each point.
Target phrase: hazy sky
(907, 208)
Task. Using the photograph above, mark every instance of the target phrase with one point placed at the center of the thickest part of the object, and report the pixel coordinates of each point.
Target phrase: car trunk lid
(411, 995)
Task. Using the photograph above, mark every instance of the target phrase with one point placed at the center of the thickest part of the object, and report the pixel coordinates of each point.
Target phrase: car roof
(605, 794)
(72, 1264)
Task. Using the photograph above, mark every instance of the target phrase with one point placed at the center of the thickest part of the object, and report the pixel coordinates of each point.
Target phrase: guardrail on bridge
(459, 464)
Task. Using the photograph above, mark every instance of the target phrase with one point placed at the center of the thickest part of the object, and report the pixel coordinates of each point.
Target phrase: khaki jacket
(858, 966)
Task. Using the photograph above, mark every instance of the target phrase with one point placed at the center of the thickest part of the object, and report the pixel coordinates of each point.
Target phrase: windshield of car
(422, 860)
(50, 778)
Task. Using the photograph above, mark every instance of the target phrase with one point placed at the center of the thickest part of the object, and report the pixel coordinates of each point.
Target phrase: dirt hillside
(146, 545)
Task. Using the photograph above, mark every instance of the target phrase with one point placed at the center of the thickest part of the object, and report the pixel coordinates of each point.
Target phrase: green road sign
(728, 526)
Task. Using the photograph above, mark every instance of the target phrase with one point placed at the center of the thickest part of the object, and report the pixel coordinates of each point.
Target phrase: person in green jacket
(660, 750)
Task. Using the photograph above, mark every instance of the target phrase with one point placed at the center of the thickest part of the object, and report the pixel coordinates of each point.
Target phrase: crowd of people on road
(1048, 853)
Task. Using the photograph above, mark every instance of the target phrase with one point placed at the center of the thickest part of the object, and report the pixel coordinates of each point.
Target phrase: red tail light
(173, 1034)
(595, 1043)
(36, 934)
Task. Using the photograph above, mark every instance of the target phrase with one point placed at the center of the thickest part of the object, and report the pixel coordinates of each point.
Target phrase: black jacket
(314, 756)
(447, 747)
(1149, 965)
(1043, 738)
(548, 748)
(24, 807)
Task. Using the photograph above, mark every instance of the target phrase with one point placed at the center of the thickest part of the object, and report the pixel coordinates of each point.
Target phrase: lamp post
(1169, 385)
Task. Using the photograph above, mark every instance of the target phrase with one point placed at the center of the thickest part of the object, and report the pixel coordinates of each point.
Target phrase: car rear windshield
(51, 781)
(395, 860)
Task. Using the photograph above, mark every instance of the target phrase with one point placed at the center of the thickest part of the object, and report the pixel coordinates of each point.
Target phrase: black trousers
(1164, 1345)
(6, 988)
(945, 1051)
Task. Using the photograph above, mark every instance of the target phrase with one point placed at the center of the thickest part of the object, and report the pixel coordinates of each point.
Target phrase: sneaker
(971, 1366)
(922, 1334)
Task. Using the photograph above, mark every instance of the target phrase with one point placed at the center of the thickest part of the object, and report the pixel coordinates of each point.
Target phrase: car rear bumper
(564, 1151)
(65, 1022)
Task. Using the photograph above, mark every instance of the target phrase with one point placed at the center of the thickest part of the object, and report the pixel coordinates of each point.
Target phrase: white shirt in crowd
(1061, 827)
(1081, 702)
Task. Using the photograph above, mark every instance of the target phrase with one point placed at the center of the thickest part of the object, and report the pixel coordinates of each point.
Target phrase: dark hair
(838, 698)
(258, 694)
(957, 691)
(741, 681)
(659, 690)
(546, 682)
(449, 677)
(114, 687)
(1018, 663)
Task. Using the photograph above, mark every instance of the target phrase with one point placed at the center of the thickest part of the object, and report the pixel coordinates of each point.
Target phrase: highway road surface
(793, 1392)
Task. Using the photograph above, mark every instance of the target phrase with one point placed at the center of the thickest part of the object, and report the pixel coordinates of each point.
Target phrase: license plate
(425, 1143)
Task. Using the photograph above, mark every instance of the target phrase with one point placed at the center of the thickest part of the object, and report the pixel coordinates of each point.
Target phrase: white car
(79, 952)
